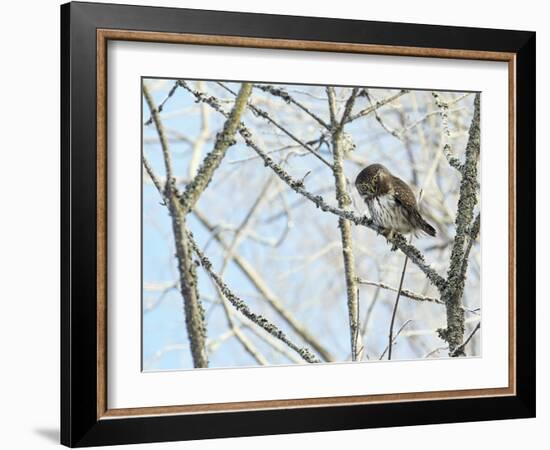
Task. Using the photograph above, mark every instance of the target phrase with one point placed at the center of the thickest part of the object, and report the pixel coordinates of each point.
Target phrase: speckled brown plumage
(391, 202)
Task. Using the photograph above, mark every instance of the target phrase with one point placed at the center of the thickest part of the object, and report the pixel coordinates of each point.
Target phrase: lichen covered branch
(194, 312)
(452, 295)
(409, 294)
(243, 308)
(344, 201)
(377, 105)
(211, 162)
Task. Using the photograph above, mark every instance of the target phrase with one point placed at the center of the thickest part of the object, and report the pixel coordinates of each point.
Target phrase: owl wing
(404, 195)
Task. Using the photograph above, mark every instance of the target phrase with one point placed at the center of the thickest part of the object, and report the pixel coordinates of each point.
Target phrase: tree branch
(194, 312)
(394, 312)
(409, 294)
(394, 338)
(461, 347)
(472, 236)
(158, 110)
(452, 295)
(261, 113)
(243, 308)
(344, 201)
(162, 138)
(378, 104)
(281, 93)
(211, 162)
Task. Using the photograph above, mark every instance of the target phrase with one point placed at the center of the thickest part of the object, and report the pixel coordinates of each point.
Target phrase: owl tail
(426, 227)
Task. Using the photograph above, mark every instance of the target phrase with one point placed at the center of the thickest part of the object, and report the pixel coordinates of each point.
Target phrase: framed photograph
(277, 224)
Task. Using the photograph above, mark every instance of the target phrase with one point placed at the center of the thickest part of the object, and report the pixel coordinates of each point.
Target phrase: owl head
(371, 180)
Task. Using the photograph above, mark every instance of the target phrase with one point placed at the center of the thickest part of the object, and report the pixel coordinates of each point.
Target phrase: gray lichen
(224, 140)
(452, 295)
(241, 306)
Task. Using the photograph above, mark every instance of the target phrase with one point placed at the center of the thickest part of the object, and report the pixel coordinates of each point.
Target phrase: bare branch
(409, 294)
(152, 175)
(405, 292)
(460, 349)
(161, 106)
(383, 124)
(394, 312)
(378, 104)
(279, 92)
(393, 339)
(162, 138)
(261, 113)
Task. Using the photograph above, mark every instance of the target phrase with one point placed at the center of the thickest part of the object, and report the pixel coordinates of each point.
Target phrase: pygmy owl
(391, 202)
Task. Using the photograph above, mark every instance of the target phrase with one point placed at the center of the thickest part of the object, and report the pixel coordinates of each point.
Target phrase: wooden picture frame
(85, 416)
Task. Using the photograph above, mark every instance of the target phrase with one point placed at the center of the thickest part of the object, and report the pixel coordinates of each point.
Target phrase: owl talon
(389, 235)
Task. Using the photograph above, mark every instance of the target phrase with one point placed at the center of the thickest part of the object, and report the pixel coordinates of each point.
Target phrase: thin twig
(472, 236)
(377, 105)
(152, 175)
(409, 294)
(394, 338)
(161, 106)
(261, 113)
(460, 348)
(435, 350)
(383, 124)
(394, 312)
(281, 93)
(162, 138)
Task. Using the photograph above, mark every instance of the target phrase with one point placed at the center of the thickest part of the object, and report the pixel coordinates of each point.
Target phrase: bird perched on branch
(391, 202)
